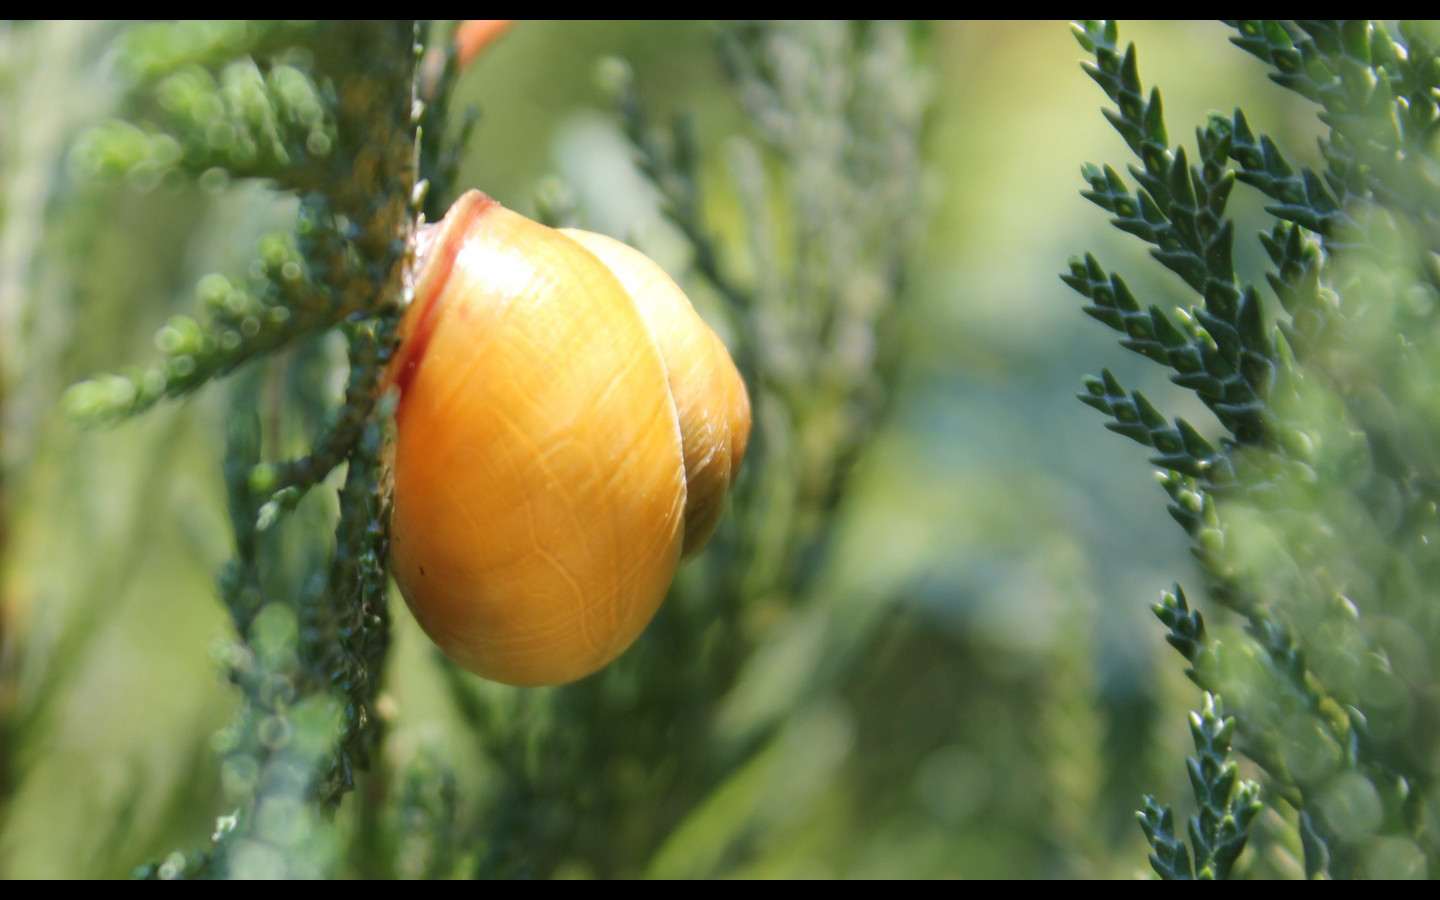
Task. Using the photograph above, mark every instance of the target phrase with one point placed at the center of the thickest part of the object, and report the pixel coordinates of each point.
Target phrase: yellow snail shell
(567, 430)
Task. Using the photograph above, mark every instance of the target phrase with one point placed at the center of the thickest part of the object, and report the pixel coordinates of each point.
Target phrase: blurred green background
(1014, 697)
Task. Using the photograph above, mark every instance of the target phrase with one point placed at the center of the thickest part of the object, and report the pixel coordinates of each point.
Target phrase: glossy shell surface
(540, 470)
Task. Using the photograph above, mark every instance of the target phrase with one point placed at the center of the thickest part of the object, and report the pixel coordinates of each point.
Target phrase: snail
(566, 432)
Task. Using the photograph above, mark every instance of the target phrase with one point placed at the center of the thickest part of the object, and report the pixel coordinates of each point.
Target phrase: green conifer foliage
(326, 113)
(1314, 514)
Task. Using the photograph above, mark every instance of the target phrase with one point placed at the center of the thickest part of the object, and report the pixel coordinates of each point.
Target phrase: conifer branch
(1347, 243)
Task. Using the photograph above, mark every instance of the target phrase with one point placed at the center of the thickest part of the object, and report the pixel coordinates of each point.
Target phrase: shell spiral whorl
(567, 430)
